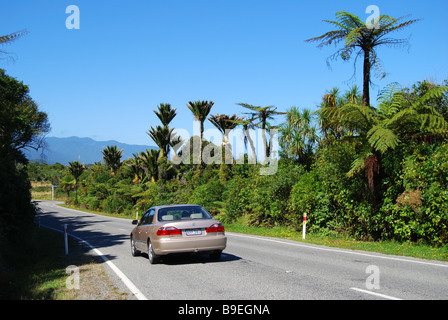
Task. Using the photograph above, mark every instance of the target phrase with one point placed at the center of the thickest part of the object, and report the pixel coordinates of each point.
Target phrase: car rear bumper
(168, 245)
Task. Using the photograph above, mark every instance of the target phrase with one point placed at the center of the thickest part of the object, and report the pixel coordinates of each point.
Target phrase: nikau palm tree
(135, 164)
(165, 113)
(361, 39)
(149, 163)
(76, 169)
(200, 110)
(162, 137)
(112, 157)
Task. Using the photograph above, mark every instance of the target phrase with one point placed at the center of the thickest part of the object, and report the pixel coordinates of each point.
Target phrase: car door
(146, 226)
(140, 233)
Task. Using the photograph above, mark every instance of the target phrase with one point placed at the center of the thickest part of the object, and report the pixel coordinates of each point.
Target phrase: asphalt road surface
(253, 267)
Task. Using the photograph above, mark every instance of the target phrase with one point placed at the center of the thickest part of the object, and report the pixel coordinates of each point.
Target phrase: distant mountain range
(84, 150)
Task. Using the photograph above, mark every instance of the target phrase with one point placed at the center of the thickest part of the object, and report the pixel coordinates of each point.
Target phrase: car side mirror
(134, 221)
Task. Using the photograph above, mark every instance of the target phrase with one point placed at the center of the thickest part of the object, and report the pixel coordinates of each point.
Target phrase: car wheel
(215, 255)
(134, 250)
(153, 258)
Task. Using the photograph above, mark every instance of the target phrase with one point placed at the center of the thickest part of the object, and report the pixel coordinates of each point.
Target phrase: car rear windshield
(183, 213)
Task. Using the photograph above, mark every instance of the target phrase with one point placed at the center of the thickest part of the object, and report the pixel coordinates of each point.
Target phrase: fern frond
(356, 117)
(433, 93)
(349, 20)
(359, 163)
(382, 139)
(12, 36)
(401, 120)
(433, 123)
(353, 36)
(390, 99)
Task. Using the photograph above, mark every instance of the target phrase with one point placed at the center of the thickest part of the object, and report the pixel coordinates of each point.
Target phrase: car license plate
(193, 232)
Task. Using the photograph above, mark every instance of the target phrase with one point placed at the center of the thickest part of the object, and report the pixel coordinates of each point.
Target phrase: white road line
(376, 294)
(340, 250)
(128, 283)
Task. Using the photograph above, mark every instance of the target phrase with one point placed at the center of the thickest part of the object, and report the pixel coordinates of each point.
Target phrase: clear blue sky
(104, 80)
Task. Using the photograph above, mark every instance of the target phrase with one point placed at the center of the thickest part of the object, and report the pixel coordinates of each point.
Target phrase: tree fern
(359, 39)
(380, 130)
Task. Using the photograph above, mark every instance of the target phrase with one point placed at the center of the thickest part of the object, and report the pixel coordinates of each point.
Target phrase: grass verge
(38, 271)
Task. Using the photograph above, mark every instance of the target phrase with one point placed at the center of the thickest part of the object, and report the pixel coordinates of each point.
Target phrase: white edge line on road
(376, 294)
(298, 244)
(134, 290)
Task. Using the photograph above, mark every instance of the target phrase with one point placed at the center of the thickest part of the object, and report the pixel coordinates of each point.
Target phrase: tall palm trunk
(366, 79)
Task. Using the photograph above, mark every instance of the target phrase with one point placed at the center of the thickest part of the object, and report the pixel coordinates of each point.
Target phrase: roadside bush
(420, 212)
(269, 203)
(236, 198)
(308, 196)
(209, 195)
(116, 204)
(91, 203)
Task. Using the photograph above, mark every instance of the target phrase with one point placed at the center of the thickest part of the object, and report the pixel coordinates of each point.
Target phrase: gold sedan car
(171, 229)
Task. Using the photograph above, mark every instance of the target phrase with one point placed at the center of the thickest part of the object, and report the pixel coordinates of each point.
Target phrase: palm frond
(200, 109)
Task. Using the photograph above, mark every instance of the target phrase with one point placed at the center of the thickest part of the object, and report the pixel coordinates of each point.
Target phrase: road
(255, 268)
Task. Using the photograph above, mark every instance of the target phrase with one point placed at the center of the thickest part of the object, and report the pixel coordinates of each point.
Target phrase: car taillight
(168, 231)
(217, 227)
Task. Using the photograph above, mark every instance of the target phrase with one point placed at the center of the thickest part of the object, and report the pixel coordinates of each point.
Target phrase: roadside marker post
(52, 191)
(66, 239)
(136, 214)
(304, 226)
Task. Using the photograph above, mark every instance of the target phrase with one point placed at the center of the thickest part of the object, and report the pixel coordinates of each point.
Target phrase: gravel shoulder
(96, 280)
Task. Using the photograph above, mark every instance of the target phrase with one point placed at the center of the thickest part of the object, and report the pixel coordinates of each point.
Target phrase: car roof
(175, 205)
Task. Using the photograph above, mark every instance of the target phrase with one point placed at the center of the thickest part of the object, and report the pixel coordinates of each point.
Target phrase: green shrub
(116, 204)
(415, 206)
(307, 196)
(236, 198)
(209, 195)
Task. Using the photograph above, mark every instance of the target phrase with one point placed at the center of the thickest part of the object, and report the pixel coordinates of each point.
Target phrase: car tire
(134, 250)
(152, 257)
(215, 256)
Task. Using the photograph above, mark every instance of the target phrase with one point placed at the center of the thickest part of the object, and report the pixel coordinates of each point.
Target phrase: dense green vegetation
(21, 126)
(369, 172)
